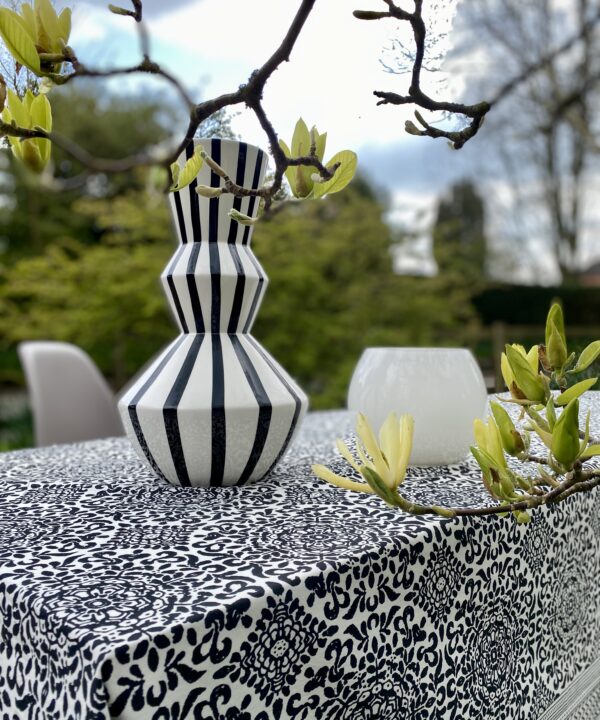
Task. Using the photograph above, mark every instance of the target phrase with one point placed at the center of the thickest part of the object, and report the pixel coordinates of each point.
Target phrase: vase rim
(229, 141)
(400, 348)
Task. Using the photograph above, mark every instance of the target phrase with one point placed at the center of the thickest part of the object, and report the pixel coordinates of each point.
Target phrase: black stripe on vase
(194, 199)
(170, 411)
(215, 260)
(180, 217)
(133, 403)
(252, 204)
(238, 297)
(265, 408)
(253, 260)
(289, 388)
(258, 292)
(193, 288)
(173, 289)
(218, 428)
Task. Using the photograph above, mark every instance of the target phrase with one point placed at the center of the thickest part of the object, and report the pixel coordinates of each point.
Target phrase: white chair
(70, 399)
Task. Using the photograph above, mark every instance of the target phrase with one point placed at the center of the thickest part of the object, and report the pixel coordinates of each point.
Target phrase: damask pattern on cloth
(122, 596)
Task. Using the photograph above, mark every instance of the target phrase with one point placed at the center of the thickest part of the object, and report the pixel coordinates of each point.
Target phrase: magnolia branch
(249, 94)
(575, 482)
(475, 113)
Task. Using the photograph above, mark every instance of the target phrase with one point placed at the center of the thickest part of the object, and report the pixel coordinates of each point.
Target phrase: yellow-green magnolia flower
(566, 447)
(181, 177)
(383, 464)
(30, 112)
(520, 370)
(498, 478)
(512, 441)
(303, 181)
(36, 30)
(489, 439)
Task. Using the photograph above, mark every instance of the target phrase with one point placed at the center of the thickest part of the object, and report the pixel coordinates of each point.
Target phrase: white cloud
(329, 80)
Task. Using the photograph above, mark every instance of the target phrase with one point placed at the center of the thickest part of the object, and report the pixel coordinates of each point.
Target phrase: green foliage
(104, 297)
(32, 217)
(333, 293)
(459, 233)
(332, 290)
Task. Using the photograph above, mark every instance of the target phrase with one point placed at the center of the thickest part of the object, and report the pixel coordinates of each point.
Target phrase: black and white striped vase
(214, 409)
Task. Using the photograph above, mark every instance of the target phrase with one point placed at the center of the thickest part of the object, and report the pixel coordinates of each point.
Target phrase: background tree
(33, 215)
(459, 233)
(333, 291)
(543, 141)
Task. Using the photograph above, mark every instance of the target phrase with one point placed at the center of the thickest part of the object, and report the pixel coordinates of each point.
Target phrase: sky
(213, 46)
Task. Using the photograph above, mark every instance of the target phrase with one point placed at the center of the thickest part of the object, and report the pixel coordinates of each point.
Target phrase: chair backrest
(70, 399)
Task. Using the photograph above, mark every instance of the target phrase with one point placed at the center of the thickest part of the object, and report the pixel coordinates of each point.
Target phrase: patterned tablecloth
(124, 597)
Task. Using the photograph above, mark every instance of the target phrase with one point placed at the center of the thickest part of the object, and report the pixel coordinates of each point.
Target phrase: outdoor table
(123, 596)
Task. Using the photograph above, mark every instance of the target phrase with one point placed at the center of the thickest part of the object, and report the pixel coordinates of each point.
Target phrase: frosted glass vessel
(443, 389)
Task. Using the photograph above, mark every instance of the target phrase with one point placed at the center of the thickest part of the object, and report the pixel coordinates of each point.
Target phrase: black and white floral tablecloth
(124, 597)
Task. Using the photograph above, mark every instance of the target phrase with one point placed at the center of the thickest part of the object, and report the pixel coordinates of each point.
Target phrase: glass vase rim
(401, 348)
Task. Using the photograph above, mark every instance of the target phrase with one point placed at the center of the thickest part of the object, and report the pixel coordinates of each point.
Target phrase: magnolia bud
(120, 11)
(512, 441)
(529, 382)
(556, 349)
(412, 129)
(555, 318)
(241, 218)
(209, 192)
(565, 435)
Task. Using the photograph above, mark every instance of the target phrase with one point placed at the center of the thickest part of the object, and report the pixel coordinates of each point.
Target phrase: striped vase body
(214, 409)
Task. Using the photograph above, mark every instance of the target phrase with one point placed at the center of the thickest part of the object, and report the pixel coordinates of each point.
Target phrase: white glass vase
(442, 388)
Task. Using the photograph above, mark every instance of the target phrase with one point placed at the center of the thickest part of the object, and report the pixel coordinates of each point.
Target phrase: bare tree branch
(475, 113)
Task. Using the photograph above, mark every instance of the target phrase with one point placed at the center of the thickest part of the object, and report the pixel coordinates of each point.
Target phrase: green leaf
(587, 357)
(586, 434)
(175, 173)
(590, 451)
(300, 140)
(556, 349)
(565, 436)
(189, 172)
(555, 317)
(41, 116)
(64, 20)
(543, 435)
(18, 41)
(29, 21)
(321, 142)
(574, 391)
(343, 175)
(18, 110)
(527, 380)
(300, 182)
(49, 19)
(41, 113)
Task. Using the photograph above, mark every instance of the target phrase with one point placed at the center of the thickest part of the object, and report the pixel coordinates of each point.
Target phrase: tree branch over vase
(37, 38)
